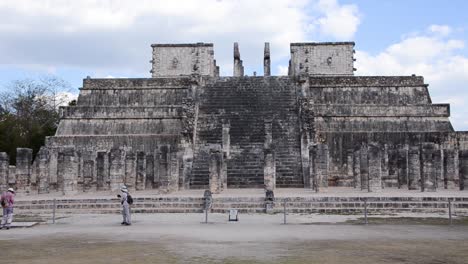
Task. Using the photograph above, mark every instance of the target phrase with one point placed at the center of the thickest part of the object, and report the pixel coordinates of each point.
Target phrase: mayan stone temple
(186, 127)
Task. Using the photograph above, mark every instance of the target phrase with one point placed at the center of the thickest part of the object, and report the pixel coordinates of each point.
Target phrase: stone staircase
(303, 205)
(245, 103)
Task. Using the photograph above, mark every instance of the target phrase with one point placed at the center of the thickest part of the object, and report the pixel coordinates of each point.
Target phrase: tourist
(7, 201)
(124, 200)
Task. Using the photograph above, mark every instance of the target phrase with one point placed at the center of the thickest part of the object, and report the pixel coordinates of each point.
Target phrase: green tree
(29, 113)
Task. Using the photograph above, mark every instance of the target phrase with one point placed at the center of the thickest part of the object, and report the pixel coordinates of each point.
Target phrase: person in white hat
(125, 205)
(7, 200)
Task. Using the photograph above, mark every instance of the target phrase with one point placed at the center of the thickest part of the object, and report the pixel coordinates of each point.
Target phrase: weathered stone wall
(318, 127)
(328, 58)
(183, 59)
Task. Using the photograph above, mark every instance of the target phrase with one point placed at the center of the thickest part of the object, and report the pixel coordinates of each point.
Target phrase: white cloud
(115, 35)
(282, 70)
(433, 56)
(340, 22)
(442, 30)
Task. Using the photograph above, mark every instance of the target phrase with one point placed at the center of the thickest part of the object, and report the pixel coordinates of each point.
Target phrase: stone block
(130, 170)
(451, 171)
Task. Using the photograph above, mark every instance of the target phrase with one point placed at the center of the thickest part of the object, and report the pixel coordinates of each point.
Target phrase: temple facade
(186, 127)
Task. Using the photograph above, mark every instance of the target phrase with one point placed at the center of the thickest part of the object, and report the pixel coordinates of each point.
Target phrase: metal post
(284, 220)
(53, 212)
(206, 216)
(365, 211)
(450, 210)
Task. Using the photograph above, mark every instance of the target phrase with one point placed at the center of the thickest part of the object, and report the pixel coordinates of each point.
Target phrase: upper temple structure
(188, 128)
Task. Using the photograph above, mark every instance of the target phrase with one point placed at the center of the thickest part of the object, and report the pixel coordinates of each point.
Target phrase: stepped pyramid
(188, 128)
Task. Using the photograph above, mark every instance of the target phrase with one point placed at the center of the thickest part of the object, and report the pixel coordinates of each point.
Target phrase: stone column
(269, 170)
(451, 172)
(226, 145)
(89, 177)
(439, 168)
(215, 170)
(170, 181)
(53, 159)
(12, 175)
(463, 161)
(375, 168)
(349, 168)
(266, 60)
(320, 167)
(173, 181)
(150, 169)
(67, 171)
(385, 164)
(428, 172)
(364, 167)
(42, 170)
(130, 170)
(23, 169)
(238, 68)
(116, 169)
(102, 171)
(357, 168)
(187, 163)
(414, 168)
(4, 170)
(141, 171)
(402, 166)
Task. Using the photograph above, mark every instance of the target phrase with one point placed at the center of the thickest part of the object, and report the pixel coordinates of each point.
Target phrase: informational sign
(233, 215)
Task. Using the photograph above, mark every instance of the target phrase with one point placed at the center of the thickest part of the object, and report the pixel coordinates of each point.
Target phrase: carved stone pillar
(307, 130)
(428, 173)
(364, 167)
(320, 163)
(215, 182)
(266, 60)
(375, 168)
(238, 67)
(102, 171)
(357, 168)
(42, 170)
(141, 171)
(451, 171)
(67, 171)
(4, 170)
(414, 168)
(463, 161)
(269, 170)
(130, 170)
(23, 169)
(116, 169)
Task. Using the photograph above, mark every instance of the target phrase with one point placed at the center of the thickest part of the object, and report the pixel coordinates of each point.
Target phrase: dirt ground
(182, 238)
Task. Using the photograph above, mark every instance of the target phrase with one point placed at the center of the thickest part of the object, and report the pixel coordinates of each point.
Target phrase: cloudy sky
(74, 39)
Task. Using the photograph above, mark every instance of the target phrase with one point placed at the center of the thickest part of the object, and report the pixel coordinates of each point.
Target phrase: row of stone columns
(424, 167)
(69, 171)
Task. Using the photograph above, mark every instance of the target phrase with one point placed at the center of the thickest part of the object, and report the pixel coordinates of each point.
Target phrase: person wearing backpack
(126, 200)
(7, 200)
